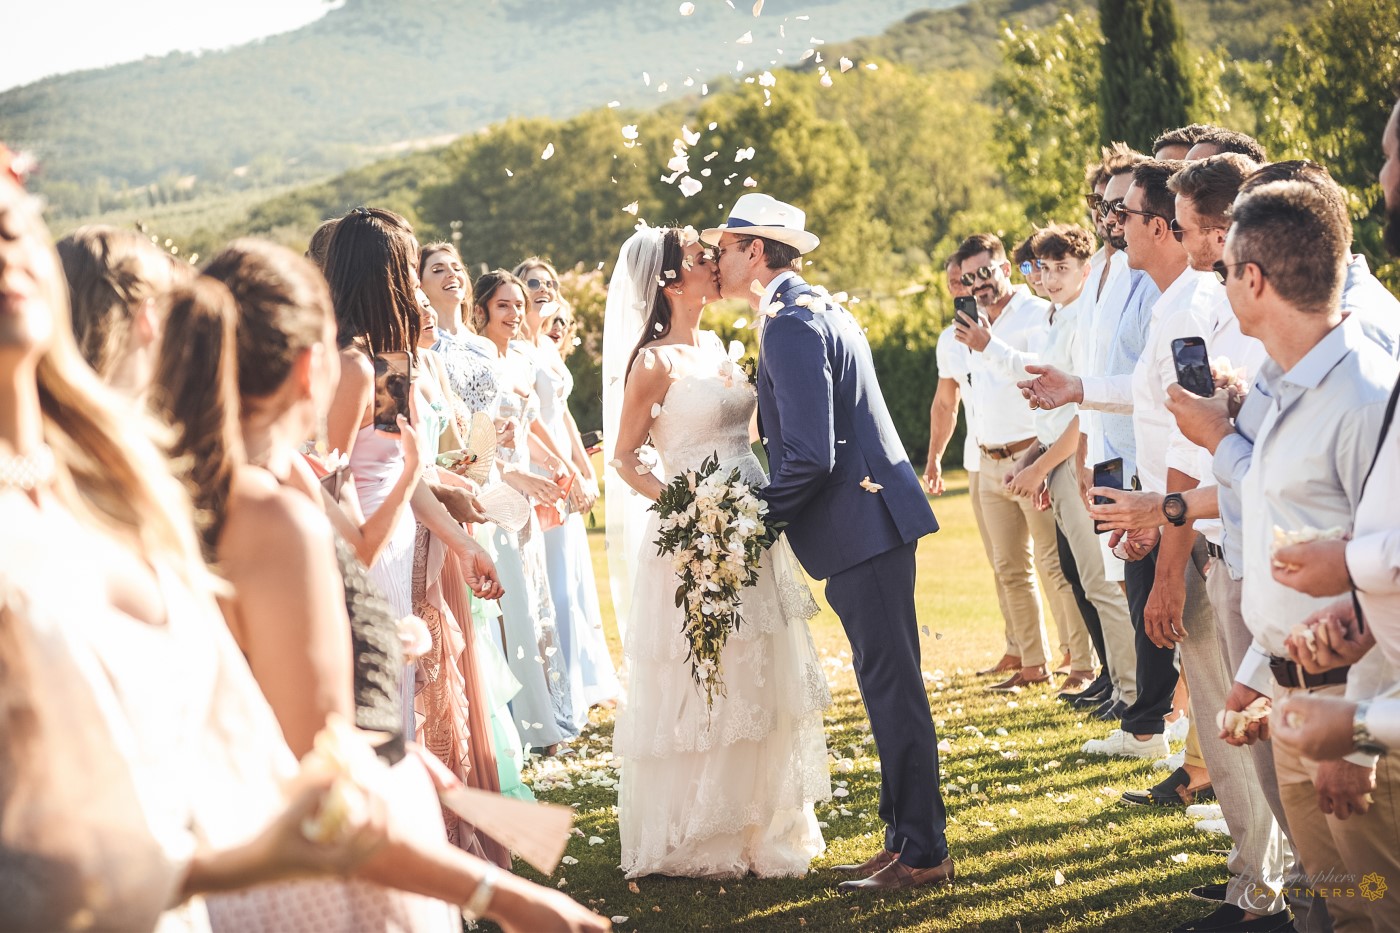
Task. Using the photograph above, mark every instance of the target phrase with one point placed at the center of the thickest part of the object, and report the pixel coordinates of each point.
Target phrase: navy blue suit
(826, 428)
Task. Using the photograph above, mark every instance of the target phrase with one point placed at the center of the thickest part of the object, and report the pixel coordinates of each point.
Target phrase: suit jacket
(825, 428)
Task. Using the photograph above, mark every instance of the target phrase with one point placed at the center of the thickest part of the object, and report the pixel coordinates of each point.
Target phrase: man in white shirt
(1323, 396)
(1177, 603)
(954, 388)
(1063, 252)
(1011, 330)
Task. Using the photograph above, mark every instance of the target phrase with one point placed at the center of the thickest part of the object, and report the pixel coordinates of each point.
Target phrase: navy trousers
(1156, 667)
(875, 602)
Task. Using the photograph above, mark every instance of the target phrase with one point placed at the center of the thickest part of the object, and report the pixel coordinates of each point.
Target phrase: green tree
(1148, 83)
(1328, 97)
(1048, 82)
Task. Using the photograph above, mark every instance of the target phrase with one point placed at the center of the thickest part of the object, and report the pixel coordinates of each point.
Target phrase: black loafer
(1099, 687)
(1171, 792)
(1209, 892)
(1227, 918)
(1093, 698)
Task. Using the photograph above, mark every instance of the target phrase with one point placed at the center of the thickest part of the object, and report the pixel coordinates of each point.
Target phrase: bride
(727, 790)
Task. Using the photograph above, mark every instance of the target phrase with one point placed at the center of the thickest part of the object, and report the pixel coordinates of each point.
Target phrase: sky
(48, 37)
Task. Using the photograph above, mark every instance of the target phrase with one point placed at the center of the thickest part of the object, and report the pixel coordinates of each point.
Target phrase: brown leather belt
(1007, 450)
(1288, 673)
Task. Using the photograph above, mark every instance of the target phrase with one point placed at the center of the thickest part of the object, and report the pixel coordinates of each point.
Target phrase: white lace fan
(474, 460)
(503, 506)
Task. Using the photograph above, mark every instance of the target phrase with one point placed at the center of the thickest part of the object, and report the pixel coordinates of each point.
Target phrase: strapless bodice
(706, 412)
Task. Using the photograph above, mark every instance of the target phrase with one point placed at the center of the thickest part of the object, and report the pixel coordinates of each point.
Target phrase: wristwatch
(1174, 508)
(1361, 737)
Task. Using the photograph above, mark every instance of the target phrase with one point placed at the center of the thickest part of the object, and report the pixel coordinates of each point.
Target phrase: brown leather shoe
(1077, 682)
(1008, 662)
(870, 866)
(896, 876)
(1017, 679)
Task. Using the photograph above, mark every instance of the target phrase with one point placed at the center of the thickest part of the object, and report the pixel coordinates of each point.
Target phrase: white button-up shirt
(1224, 343)
(955, 362)
(1373, 554)
(1183, 310)
(1062, 352)
(1019, 335)
(1316, 442)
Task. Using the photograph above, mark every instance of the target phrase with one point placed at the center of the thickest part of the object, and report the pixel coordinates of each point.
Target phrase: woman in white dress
(706, 791)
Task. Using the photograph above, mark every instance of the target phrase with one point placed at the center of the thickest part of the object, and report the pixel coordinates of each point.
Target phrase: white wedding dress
(729, 790)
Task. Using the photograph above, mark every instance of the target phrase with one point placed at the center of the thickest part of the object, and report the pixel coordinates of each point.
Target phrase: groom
(854, 511)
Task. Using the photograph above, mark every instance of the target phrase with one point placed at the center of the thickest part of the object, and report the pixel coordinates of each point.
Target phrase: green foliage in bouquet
(714, 529)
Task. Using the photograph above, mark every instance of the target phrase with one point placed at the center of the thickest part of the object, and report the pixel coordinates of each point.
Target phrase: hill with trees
(375, 76)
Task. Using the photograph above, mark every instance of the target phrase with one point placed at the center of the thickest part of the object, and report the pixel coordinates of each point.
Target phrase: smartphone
(393, 380)
(1108, 474)
(592, 440)
(1193, 366)
(967, 307)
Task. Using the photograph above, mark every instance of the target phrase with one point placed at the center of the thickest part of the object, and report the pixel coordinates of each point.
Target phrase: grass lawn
(1035, 827)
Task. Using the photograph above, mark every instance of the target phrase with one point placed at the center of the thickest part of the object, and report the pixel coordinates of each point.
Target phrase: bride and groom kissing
(727, 790)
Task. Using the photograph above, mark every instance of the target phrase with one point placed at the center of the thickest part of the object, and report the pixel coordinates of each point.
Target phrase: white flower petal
(548, 152)
(846, 65)
(690, 186)
(687, 9)
(745, 39)
(1059, 877)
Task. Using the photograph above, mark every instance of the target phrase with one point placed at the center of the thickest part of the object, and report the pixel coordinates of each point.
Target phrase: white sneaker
(1205, 811)
(1213, 826)
(1176, 731)
(1171, 762)
(1126, 745)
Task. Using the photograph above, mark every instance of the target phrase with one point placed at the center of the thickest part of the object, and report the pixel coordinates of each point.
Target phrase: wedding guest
(587, 664)
(1219, 139)
(1063, 252)
(1326, 728)
(1023, 258)
(1016, 323)
(954, 389)
(1330, 387)
(1177, 591)
(1110, 341)
(529, 634)
(469, 361)
(1173, 145)
(320, 242)
(116, 282)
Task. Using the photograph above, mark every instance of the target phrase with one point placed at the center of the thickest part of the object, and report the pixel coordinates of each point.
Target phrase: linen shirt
(954, 362)
(1121, 318)
(1061, 351)
(1019, 335)
(1225, 343)
(1315, 444)
(1378, 314)
(1183, 310)
(1373, 554)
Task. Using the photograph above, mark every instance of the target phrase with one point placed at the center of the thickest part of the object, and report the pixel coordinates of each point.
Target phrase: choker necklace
(28, 472)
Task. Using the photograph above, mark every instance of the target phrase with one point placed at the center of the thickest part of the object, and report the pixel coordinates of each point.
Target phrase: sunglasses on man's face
(983, 274)
(1093, 199)
(1180, 232)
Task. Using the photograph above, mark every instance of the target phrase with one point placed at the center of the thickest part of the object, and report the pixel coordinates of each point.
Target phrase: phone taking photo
(393, 381)
(1108, 474)
(1193, 366)
(966, 306)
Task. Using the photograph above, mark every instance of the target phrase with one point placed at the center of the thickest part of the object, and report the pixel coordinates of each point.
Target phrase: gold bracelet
(481, 898)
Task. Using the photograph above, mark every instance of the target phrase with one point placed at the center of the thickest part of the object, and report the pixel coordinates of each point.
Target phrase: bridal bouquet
(714, 528)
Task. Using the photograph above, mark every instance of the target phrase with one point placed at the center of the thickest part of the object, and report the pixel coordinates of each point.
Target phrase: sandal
(1175, 791)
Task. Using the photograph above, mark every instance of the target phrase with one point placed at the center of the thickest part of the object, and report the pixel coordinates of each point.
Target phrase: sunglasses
(1180, 232)
(1031, 265)
(1110, 208)
(1122, 210)
(1222, 268)
(1094, 200)
(536, 284)
(971, 278)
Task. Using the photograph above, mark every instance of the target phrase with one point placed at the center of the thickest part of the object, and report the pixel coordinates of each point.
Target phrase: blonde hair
(110, 272)
(109, 470)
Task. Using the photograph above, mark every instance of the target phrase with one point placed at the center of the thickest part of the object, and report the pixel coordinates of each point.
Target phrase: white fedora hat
(765, 216)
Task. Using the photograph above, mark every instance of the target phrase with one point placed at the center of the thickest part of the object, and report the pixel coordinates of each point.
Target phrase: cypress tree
(1147, 84)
